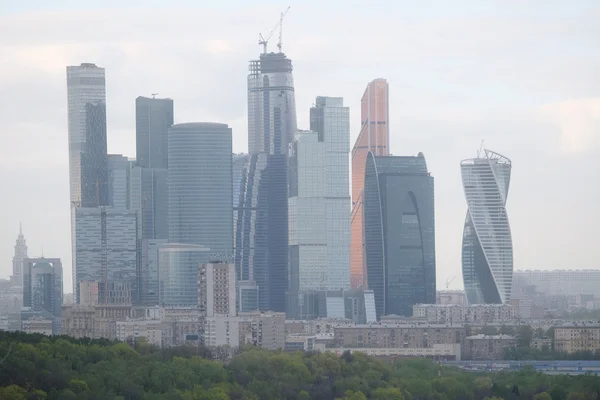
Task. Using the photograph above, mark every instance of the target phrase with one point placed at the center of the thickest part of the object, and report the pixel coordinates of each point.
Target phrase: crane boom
(265, 40)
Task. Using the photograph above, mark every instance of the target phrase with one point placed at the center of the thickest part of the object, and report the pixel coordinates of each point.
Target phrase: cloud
(579, 123)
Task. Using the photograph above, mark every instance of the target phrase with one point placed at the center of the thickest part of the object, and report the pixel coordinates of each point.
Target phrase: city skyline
(506, 129)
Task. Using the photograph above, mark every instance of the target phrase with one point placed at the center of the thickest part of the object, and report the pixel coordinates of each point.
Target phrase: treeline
(528, 353)
(38, 367)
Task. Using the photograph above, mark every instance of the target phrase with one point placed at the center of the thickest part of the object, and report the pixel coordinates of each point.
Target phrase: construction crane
(264, 41)
(449, 281)
(154, 95)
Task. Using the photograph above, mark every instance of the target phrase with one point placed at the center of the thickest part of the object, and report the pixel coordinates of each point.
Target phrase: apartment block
(449, 313)
(576, 337)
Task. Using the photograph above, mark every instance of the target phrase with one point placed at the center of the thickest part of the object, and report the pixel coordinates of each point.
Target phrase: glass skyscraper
(331, 120)
(487, 253)
(374, 137)
(105, 241)
(264, 207)
(200, 186)
(399, 233)
(86, 95)
(43, 287)
(153, 118)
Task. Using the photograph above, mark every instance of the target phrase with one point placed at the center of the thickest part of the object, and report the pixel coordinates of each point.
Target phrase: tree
(524, 336)
(543, 396)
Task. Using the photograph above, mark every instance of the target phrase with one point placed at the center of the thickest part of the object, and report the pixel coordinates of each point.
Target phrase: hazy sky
(523, 75)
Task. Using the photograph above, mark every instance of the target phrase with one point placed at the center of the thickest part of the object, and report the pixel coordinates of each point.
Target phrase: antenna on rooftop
(154, 95)
(480, 149)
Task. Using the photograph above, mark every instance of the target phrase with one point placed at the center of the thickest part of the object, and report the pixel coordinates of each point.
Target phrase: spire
(20, 228)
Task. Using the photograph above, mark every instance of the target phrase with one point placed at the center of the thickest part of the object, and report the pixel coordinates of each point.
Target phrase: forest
(40, 367)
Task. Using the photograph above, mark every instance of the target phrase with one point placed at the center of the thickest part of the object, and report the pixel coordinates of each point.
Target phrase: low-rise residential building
(456, 297)
(541, 343)
(578, 336)
(486, 347)
(449, 352)
(37, 324)
(265, 330)
(222, 331)
(133, 330)
(398, 336)
(450, 313)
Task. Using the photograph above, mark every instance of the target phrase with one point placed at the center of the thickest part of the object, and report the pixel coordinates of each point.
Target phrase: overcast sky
(523, 75)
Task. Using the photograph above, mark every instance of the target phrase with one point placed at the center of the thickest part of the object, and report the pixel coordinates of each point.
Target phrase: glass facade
(487, 253)
(43, 287)
(153, 118)
(86, 96)
(200, 187)
(119, 168)
(105, 237)
(149, 195)
(178, 274)
(399, 233)
(374, 137)
(148, 271)
(331, 120)
(264, 211)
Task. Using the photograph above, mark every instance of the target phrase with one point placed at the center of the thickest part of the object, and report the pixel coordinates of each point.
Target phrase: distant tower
(374, 137)
(20, 254)
(487, 252)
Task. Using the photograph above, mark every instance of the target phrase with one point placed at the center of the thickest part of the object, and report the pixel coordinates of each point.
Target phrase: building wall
(178, 274)
(43, 286)
(200, 186)
(374, 336)
(153, 118)
(217, 289)
(487, 254)
(374, 136)
(222, 331)
(577, 337)
(487, 347)
(119, 239)
(271, 126)
(399, 227)
(119, 168)
(482, 313)
(331, 120)
(149, 195)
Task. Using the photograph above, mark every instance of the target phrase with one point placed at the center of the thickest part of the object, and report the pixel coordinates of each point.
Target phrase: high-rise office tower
(86, 93)
(200, 186)
(106, 246)
(374, 137)
(307, 218)
(178, 266)
(119, 173)
(331, 120)
(43, 287)
(153, 118)
(487, 253)
(20, 254)
(240, 174)
(399, 233)
(264, 227)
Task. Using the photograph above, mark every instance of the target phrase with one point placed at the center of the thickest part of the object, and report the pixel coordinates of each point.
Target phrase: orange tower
(374, 136)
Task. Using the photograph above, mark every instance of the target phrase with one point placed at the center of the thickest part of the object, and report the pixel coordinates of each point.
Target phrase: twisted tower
(487, 254)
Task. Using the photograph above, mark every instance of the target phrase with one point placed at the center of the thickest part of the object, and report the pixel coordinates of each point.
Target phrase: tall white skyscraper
(487, 251)
(331, 120)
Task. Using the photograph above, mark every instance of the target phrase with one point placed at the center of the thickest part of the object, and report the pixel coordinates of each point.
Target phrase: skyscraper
(331, 120)
(153, 118)
(487, 253)
(309, 270)
(200, 186)
(374, 137)
(106, 246)
(43, 287)
(399, 233)
(86, 93)
(119, 173)
(271, 127)
(20, 254)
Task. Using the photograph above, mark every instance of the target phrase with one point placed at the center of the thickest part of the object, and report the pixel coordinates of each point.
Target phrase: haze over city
(521, 77)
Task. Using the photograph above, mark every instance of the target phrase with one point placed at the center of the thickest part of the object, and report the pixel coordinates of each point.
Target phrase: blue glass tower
(399, 229)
